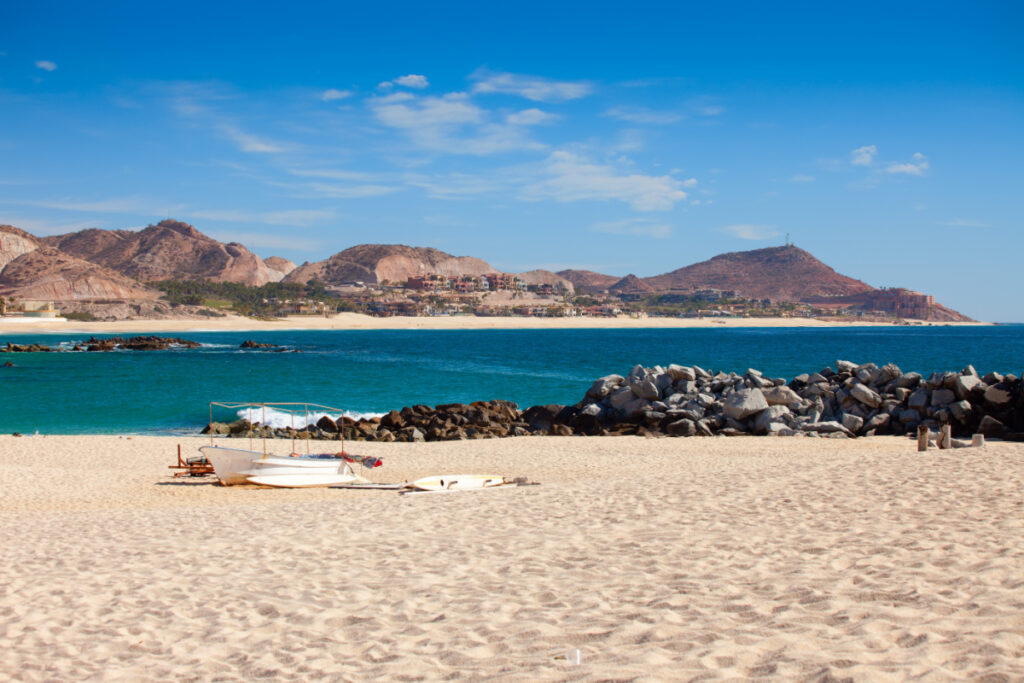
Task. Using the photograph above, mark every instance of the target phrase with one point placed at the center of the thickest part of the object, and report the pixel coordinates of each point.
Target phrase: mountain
(375, 263)
(13, 243)
(587, 281)
(278, 267)
(631, 284)
(783, 273)
(168, 250)
(49, 274)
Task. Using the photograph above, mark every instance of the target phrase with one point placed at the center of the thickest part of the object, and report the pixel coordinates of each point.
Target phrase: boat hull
(236, 466)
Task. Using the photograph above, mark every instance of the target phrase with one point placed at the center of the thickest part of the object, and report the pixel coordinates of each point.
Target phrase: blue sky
(885, 138)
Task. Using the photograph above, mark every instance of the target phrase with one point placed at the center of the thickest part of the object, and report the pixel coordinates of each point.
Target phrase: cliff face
(782, 273)
(375, 263)
(278, 267)
(167, 250)
(47, 273)
(14, 243)
(587, 281)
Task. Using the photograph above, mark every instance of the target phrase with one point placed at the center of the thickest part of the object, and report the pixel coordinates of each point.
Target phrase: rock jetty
(142, 343)
(851, 401)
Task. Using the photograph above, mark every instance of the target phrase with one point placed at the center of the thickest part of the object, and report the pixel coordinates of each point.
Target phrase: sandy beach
(357, 321)
(657, 559)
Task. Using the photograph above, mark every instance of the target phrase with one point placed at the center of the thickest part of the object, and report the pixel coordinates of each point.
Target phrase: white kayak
(456, 482)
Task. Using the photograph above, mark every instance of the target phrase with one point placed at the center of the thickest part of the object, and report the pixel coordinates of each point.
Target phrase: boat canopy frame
(293, 409)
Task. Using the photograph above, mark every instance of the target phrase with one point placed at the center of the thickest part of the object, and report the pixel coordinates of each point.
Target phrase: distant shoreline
(356, 321)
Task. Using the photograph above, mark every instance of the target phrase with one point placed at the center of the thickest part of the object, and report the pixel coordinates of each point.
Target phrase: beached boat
(238, 466)
(249, 466)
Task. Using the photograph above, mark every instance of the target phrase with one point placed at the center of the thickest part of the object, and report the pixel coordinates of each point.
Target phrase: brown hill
(631, 284)
(13, 243)
(783, 273)
(278, 267)
(47, 273)
(168, 250)
(375, 263)
(587, 281)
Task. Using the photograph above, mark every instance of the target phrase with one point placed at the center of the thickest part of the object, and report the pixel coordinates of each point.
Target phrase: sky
(884, 138)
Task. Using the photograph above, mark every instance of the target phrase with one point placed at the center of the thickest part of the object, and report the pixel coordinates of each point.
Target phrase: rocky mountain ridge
(108, 264)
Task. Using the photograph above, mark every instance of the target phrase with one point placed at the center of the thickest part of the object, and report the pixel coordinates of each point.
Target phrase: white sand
(356, 321)
(659, 559)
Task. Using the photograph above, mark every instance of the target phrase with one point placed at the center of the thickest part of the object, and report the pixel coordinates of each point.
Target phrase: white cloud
(46, 65)
(573, 178)
(450, 123)
(863, 156)
(746, 231)
(134, 204)
(690, 182)
(635, 226)
(332, 174)
(332, 94)
(455, 185)
(350, 191)
(802, 178)
(412, 81)
(252, 143)
(642, 115)
(530, 117)
(533, 88)
(917, 166)
(42, 228)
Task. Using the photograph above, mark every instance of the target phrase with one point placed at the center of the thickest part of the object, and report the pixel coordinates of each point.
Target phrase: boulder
(743, 403)
(829, 427)
(908, 380)
(919, 399)
(636, 406)
(960, 410)
(990, 426)
(942, 397)
(620, 397)
(646, 389)
(682, 427)
(853, 422)
(865, 395)
(780, 395)
(327, 424)
(997, 395)
(678, 372)
(964, 384)
(604, 386)
(845, 366)
(216, 428)
(773, 414)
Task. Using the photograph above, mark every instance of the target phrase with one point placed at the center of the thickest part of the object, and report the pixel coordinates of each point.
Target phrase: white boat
(237, 466)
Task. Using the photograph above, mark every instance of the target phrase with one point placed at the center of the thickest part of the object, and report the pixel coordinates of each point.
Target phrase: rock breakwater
(850, 401)
(142, 343)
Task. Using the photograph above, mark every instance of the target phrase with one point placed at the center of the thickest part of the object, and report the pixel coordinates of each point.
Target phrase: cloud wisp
(46, 65)
(748, 231)
(643, 116)
(863, 156)
(917, 165)
(415, 81)
(534, 88)
(571, 177)
(333, 94)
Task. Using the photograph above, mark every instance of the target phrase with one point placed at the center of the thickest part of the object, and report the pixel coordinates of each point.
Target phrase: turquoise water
(372, 371)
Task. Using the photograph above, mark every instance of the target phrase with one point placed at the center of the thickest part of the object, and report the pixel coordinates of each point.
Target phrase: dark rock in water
(17, 434)
(142, 343)
(250, 344)
(9, 364)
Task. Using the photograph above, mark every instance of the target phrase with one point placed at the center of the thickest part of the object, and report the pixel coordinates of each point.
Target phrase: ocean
(369, 372)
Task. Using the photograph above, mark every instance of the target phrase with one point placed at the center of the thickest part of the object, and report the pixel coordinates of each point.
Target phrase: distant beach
(356, 321)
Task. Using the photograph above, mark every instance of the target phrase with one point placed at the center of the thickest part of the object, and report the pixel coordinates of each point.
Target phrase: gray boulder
(852, 422)
(909, 380)
(682, 427)
(743, 403)
(865, 395)
(960, 410)
(770, 415)
(604, 386)
(829, 427)
(919, 399)
(636, 406)
(997, 395)
(942, 397)
(964, 384)
(990, 426)
(620, 397)
(646, 389)
(845, 366)
(679, 372)
(780, 395)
